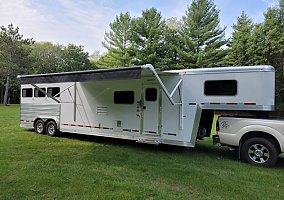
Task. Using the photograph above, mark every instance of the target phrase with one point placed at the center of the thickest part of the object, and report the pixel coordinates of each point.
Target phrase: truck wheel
(39, 126)
(51, 128)
(259, 151)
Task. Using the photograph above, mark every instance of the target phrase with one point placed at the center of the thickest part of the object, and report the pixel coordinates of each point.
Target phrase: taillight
(217, 126)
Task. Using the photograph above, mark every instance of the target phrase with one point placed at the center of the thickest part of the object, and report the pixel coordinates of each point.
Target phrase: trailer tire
(51, 128)
(259, 151)
(39, 126)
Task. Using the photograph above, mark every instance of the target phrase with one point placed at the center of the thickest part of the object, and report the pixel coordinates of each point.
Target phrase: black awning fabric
(82, 76)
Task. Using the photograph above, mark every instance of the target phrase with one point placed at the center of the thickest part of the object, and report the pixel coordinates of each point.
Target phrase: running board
(149, 141)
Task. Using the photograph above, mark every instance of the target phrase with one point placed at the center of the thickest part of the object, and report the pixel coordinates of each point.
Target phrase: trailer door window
(38, 93)
(27, 92)
(52, 91)
(151, 94)
(221, 88)
(123, 97)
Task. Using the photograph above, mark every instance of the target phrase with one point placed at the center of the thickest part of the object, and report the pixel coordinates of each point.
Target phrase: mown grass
(34, 166)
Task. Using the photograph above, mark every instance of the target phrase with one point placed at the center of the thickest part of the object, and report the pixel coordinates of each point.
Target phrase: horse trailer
(138, 103)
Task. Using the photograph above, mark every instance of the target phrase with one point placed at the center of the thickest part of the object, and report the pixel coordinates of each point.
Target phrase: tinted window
(151, 94)
(221, 88)
(38, 93)
(124, 97)
(52, 91)
(27, 92)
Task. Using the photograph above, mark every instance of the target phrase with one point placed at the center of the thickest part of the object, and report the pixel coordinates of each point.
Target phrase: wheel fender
(48, 118)
(260, 128)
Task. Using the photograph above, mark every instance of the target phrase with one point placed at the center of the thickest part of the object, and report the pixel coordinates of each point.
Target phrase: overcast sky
(84, 22)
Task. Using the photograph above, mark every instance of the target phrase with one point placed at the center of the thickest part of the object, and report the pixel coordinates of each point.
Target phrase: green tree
(118, 42)
(14, 50)
(171, 42)
(256, 49)
(47, 57)
(75, 59)
(274, 46)
(148, 38)
(241, 39)
(50, 58)
(201, 36)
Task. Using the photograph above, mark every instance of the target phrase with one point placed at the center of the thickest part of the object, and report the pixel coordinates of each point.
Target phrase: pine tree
(241, 37)
(118, 42)
(274, 46)
(148, 37)
(256, 47)
(171, 42)
(201, 36)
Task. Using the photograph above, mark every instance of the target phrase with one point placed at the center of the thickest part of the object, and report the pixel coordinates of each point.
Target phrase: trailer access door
(151, 119)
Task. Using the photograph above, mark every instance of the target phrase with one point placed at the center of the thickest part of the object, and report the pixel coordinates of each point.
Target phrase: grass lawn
(70, 166)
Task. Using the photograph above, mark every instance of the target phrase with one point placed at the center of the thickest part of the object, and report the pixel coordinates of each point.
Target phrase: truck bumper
(216, 139)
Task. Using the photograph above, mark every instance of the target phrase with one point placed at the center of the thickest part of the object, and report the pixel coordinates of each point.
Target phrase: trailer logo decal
(225, 124)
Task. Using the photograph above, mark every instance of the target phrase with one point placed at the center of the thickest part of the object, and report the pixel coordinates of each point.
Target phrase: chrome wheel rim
(51, 129)
(39, 128)
(258, 153)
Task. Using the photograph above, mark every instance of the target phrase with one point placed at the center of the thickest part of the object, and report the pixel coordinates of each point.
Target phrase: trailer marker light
(250, 104)
(232, 103)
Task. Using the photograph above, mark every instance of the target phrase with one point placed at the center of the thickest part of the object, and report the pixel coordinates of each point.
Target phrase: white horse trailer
(138, 103)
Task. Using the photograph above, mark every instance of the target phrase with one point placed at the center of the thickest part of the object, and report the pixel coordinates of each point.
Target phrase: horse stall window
(27, 92)
(221, 88)
(151, 94)
(38, 93)
(52, 91)
(123, 97)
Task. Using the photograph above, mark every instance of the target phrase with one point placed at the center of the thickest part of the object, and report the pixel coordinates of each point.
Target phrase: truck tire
(39, 126)
(51, 128)
(259, 151)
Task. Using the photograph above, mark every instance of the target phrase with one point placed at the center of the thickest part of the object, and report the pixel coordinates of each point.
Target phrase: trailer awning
(82, 76)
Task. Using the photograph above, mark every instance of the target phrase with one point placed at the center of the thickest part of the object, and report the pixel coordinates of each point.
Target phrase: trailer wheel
(259, 151)
(39, 126)
(51, 128)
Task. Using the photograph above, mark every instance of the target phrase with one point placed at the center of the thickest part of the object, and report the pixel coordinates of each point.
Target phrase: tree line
(197, 40)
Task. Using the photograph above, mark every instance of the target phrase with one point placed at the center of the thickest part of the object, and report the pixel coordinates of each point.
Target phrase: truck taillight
(217, 126)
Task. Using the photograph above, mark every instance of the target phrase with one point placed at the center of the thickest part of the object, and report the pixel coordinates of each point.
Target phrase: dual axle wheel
(50, 128)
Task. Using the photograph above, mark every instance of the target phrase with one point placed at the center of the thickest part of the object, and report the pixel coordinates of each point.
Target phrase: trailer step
(149, 141)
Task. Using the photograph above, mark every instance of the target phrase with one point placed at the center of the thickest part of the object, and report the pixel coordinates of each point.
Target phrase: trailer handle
(150, 67)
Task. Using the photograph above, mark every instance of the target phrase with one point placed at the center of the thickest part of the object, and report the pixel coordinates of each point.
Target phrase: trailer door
(151, 110)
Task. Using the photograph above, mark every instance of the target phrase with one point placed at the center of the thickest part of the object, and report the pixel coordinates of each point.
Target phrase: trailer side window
(151, 94)
(38, 93)
(52, 91)
(221, 88)
(123, 97)
(27, 92)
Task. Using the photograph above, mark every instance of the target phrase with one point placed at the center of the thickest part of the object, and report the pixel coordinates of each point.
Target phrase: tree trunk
(6, 95)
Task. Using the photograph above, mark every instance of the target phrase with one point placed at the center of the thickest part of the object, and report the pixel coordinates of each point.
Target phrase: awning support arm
(169, 95)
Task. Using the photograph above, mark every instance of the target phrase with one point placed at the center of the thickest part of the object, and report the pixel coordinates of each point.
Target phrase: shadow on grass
(202, 148)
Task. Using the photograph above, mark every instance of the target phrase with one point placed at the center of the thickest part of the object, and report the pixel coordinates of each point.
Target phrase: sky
(84, 22)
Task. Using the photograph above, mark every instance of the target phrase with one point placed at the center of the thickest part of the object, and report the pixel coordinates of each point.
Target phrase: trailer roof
(121, 73)
(135, 72)
(238, 69)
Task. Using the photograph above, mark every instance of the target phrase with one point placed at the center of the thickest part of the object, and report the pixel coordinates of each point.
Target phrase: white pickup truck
(259, 141)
